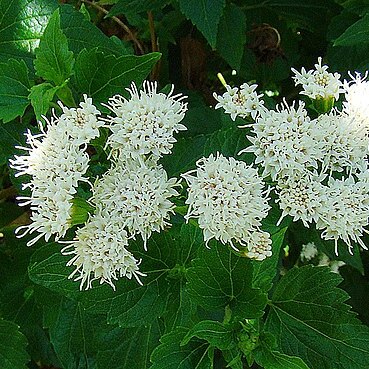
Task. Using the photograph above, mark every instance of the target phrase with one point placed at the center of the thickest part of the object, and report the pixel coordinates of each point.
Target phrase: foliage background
(198, 308)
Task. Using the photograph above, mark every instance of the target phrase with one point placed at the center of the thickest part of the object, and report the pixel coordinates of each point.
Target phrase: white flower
(344, 211)
(308, 251)
(300, 197)
(81, 124)
(56, 165)
(356, 103)
(145, 124)
(335, 265)
(228, 198)
(318, 83)
(259, 246)
(99, 252)
(137, 193)
(243, 101)
(286, 141)
(345, 146)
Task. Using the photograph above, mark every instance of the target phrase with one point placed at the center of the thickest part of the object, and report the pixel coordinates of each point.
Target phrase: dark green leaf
(22, 23)
(356, 34)
(54, 62)
(13, 354)
(205, 15)
(136, 6)
(310, 320)
(11, 134)
(170, 354)
(219, 278)
(128, 348)
(102, 76)
(14, 89)
(213, 332)
(82, 34)
(41, 96)
(232, 35)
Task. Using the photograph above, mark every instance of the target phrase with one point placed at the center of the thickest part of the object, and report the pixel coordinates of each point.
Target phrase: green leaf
(310, 320)
(72, 331)
(228, 141)
(131, 305)
(356, 34)
(14, 89)
(22, 23)
(232, 35)
(136, 6)
(128, 348)
(13, 354)
(11, 135)
(102, 76)
(205, 15)
(41, 96)
(82, 34)
(211, 331)
(219, 278)
(170, 354)
(54, 62)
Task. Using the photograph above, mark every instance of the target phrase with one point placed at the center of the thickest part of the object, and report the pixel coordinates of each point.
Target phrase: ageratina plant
(303, 164)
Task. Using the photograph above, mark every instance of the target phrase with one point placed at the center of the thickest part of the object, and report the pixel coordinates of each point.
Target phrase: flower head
(356, 100)
(286, 141)
(300, 197)
(259, 246)
(344, 211)
(56, 164)
(137, 193)
(81, 124)
(308, 252)
(145, 124)
(318, 83)
(228, 198)
(243, 101)
(100, 253)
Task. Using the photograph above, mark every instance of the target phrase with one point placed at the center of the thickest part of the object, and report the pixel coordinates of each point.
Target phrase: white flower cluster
(145, 123)
(320, 166)
(56, 163)
(243, 101)
(318, 83)
(229, 200)
(132, 198)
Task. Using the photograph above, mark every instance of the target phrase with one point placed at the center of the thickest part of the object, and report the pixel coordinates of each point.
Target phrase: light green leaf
(54, 62)
(211, 331)
(82, 34)
(14, 89)
(205, 15)
(219, 278)
(356, 34)
(310, 320)
(41, 96)
(102, 76)
(22, 23)
(13, 354)
(170, 354)
(232, 35)
(276, 360)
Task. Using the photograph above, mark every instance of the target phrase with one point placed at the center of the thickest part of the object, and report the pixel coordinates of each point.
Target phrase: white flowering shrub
(153, 216)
